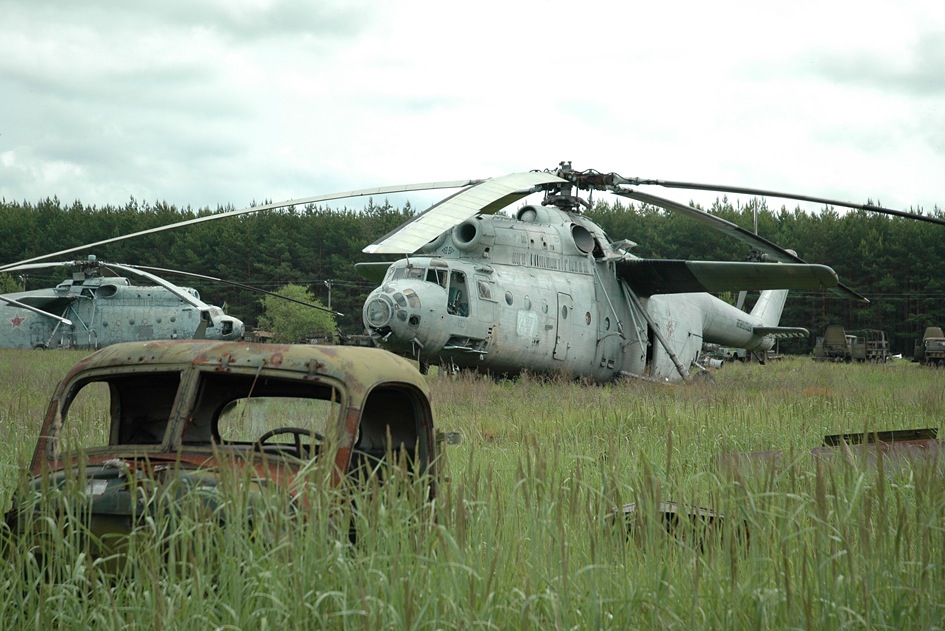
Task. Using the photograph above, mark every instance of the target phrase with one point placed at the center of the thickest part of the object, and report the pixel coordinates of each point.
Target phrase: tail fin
(769, 306)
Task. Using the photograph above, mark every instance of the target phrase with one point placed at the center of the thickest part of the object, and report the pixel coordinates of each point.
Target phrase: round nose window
(508, 298)
(377, 313)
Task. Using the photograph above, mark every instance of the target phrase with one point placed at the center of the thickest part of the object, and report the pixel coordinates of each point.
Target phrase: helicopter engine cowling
(106, 290)
(473, 233)
(538, 214)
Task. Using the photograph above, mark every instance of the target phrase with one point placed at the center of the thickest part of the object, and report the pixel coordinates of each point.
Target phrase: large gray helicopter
(91, 310)
(545, 290)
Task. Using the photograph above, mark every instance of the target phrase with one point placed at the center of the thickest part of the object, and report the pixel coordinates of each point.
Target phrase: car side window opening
(146, 402)
(389, 426)
(128, 409)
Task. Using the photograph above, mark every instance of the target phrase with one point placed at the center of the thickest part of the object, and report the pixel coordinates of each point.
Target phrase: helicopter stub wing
(770, 249)
(485, 197)
(665, 276)
(46, 301)
(22, 305)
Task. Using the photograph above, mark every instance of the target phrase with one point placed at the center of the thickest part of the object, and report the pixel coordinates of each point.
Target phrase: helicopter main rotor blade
(768, 248)
(235, 284)
(385, 190)
(15, 267)
(758, 192)
(485, 197)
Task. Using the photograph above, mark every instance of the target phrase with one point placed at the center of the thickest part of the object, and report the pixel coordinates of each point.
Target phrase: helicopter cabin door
(563, 335)
(38, 335)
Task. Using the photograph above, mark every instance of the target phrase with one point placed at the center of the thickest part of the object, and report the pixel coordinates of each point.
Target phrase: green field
(520, 536)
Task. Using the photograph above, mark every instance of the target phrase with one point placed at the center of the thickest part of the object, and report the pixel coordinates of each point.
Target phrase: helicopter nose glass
(378, 312)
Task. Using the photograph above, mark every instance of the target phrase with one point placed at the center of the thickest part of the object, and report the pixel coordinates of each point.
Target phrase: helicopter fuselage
(107, 310)
(539, 293)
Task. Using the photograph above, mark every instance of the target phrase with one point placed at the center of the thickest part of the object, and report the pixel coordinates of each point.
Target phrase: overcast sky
(226, 102)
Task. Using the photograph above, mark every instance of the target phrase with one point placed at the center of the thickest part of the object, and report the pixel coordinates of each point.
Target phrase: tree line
(895, 262)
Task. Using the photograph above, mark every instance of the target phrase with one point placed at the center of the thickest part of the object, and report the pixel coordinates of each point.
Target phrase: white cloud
(226, 103)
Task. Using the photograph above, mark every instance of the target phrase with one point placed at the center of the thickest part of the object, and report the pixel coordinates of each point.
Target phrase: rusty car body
(187, 413)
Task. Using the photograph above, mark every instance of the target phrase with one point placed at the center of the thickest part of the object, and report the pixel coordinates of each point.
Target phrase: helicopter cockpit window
(407, 272)
(413, 300)
(438, 276)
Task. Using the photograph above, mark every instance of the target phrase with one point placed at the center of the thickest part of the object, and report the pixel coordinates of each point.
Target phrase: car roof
(359, 368)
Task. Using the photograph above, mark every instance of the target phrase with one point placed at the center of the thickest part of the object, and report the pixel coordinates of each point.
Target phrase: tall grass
(521, 534)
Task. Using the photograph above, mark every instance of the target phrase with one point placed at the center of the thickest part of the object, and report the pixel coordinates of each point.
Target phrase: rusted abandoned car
(188, 413)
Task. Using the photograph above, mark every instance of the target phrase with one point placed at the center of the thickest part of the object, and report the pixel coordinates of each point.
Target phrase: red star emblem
(17, 321)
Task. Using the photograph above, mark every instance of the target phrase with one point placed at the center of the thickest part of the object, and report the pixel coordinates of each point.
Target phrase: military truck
(838, 345)
(930, 350)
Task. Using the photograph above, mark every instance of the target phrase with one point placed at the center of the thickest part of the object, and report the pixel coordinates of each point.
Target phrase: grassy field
(520, 536)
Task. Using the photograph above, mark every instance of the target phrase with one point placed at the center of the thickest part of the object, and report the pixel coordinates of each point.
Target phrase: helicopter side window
(457, 296)
(485, 289)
